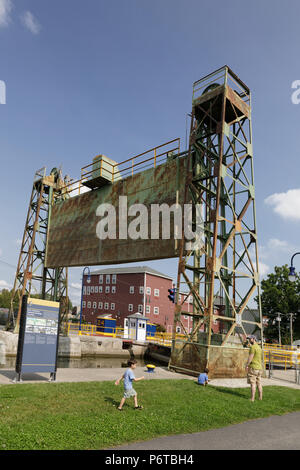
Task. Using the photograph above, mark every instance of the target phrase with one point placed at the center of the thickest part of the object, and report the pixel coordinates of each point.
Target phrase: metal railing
(276, 346)
(113, 172)
(282, 360)
(221, 77)
(94, 330)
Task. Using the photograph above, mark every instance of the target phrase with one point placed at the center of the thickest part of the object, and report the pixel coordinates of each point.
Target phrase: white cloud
(286, 205)
(75, 285)
(279, 245)
(264, 269)
(31, 23)
(4, 285)
(5, 9)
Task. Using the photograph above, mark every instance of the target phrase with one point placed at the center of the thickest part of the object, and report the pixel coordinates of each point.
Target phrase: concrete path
(111, 374)
(273, 433)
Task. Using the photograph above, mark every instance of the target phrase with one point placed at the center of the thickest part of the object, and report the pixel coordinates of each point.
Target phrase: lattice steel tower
(32, 277)
(221, 273)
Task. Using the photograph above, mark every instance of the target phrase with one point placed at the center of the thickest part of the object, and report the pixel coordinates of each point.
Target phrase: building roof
(131, 270)
(137, 315)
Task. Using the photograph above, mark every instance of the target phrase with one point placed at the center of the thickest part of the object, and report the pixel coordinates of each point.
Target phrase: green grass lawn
(57, 416)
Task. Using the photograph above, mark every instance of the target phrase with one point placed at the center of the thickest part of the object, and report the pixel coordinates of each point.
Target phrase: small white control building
(135, 327)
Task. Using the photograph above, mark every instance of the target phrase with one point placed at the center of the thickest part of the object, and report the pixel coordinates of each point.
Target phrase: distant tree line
(280, 296)
(6, 295)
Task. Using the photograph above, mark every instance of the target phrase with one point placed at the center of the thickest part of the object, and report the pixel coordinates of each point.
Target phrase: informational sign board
(38, 337)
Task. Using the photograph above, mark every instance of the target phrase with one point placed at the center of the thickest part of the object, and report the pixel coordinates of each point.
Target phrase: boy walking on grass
(129, 391)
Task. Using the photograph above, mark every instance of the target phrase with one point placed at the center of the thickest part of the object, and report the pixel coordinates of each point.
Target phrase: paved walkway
(111, 374)
(272, 433)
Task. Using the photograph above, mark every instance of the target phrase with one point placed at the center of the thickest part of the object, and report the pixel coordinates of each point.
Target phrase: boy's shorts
(254, 376)
(129, 393)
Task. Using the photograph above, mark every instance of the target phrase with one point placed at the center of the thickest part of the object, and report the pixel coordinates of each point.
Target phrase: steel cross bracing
(222, 273)
(32, 277)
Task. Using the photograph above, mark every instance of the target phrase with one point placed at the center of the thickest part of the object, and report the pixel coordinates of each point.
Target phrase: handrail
(118, 170)
(91, 330)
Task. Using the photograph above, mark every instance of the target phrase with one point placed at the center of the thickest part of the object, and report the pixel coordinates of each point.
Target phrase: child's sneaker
(138, 407)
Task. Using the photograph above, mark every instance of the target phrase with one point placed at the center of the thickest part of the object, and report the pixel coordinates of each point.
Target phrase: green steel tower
(32, 277)
(221, 272)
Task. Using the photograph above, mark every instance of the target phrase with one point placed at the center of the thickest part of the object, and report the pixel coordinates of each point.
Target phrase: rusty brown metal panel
(191, 358)
(237, 101)
(72, 236)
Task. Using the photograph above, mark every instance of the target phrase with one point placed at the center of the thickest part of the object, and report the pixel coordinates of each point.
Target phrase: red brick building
(120, 292)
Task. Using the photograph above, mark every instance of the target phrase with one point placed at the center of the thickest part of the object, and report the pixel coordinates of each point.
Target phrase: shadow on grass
(112, 401)
(232, 391)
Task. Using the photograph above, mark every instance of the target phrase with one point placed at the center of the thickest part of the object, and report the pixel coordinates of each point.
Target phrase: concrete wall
(77, 346)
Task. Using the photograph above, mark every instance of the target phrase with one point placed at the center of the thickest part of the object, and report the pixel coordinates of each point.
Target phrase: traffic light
(172, 293)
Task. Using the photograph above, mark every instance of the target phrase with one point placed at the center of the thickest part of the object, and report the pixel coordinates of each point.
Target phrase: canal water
(85, 362)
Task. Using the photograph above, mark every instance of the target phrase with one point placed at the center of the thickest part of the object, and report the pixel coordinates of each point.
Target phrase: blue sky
(115, 77)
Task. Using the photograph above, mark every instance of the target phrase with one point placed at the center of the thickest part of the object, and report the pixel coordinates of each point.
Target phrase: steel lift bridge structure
(219, 269)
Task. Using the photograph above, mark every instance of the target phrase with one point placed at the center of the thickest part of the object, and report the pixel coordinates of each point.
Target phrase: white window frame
(140, 308)
(84, 290)
(100, 289)
(156, 310)
(131, 289)
(141, 289)
(100, 305)
(100, 278)
(113, 289)
(156, 292)
(83, 304)
(130, 307)
(92, 289)
(94, 304)
(106, 305)
(107, 289)
(89, 304)
(88, 290)
(148, 309)
(107, 279)
(114, 279)
(112, 306)
(148, 290)
(178, 329)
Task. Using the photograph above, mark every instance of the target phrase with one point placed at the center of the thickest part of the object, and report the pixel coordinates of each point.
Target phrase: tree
(279, 295)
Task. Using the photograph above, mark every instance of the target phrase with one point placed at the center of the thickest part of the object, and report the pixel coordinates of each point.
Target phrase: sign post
(38, 337)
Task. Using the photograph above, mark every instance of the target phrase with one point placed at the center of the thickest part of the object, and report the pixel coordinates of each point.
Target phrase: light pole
(292, 278)
(292, 274)
(88, 280)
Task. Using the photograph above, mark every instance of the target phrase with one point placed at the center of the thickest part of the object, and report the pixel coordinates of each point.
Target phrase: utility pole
(279, 332)
(291, 326)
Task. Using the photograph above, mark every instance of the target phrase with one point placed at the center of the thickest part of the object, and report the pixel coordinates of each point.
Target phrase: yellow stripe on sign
(45, 303)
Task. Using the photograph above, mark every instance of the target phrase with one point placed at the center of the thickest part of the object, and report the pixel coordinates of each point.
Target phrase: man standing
(254, 367)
